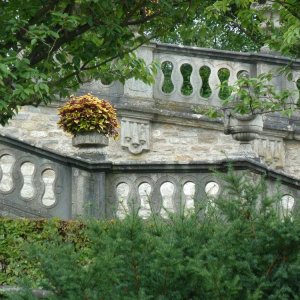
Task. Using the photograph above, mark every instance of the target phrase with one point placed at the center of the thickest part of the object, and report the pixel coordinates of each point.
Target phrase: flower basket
(90, 120)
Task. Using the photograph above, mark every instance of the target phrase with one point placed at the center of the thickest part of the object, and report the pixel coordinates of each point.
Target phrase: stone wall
(168, 140)
(164, 150)
(160, 136)
(159, 126)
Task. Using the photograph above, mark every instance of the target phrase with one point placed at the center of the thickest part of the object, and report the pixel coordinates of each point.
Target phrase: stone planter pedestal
(244, 128)
(91, 145)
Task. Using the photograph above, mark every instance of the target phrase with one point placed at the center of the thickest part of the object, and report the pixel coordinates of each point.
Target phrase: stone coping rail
(249, 57)
(163, 167)
(192, 75)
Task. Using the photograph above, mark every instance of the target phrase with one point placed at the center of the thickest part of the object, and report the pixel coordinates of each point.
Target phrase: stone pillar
(97, 195)
(88, 194)
(136, 88)
(272, 19)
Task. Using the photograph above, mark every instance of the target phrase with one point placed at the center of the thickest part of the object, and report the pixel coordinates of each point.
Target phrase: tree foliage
(257, 95)
(255, 21)
(49, 48)
(212, 29)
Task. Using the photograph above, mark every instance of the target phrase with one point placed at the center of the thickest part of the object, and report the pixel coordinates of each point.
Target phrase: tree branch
(40, 52)
(84, 68)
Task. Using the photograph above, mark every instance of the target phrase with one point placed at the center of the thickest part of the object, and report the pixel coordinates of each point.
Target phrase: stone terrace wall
(171, 137)
(158, 126)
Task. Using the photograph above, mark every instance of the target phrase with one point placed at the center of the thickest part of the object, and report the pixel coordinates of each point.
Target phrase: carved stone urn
(91, 145)
(90, 139)
(90, 121)
(244, 128)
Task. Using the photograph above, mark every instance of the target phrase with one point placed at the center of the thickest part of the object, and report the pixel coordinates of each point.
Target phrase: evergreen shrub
(235, 247)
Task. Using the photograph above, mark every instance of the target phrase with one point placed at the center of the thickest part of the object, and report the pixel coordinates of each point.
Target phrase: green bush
(238, 248)
(16, 235)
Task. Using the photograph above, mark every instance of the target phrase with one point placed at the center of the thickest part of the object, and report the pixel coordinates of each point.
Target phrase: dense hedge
(240, 248)
(16, 237)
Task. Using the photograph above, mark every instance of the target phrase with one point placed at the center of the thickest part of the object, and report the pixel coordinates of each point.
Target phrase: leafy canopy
(212, 28)
(49, 47)
(275, 24)
(283, 36)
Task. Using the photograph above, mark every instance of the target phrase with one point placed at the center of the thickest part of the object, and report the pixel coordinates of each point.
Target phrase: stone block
(22, 116)
(38, 134)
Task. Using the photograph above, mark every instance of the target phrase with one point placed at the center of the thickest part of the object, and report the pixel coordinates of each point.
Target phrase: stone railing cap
(251, 57)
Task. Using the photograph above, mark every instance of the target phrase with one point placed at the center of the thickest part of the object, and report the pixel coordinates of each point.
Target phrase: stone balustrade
(194, 77)
(31, 185)
(163, 189)
(190, 75)
(158, 127)
(40, 183)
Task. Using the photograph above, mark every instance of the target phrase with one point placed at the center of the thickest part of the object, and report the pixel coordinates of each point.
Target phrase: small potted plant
(246, 124)
(90, 120)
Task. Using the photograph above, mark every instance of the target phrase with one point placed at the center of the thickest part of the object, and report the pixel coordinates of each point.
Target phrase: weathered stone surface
(271, 150)
(38, 134)
(176, 134)
(169, 142)
(292, 158)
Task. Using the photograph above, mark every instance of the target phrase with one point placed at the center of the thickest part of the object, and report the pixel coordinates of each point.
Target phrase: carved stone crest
(271, 151)
(135, 135)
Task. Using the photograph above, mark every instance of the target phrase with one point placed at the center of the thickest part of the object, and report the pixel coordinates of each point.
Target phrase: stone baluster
(6, 167)
(195, 79)
(177, 80)
(272, 19)
(214, 84)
